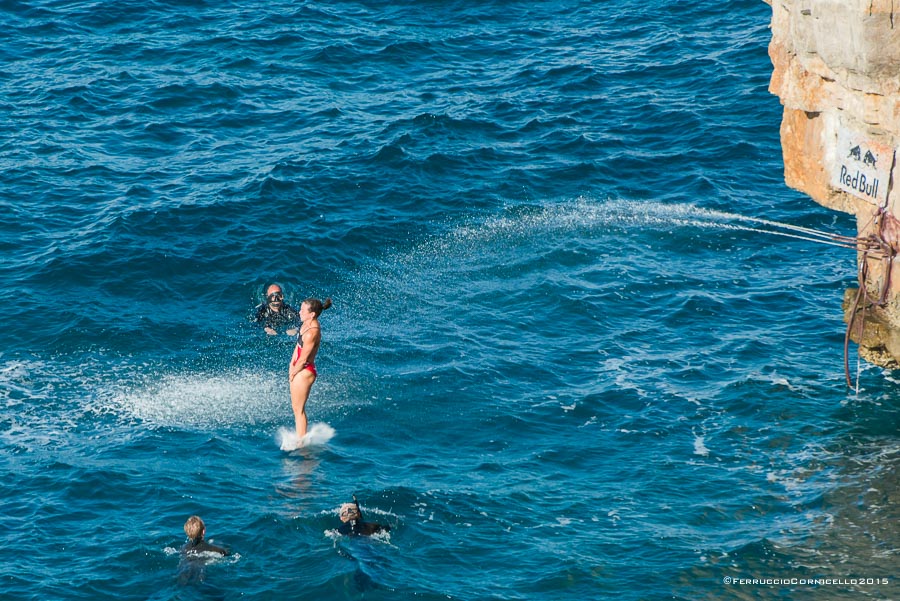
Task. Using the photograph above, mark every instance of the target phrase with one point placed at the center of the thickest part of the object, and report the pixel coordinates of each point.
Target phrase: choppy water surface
(563, 362)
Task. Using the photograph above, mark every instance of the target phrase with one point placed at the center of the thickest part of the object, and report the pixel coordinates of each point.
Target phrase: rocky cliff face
(837, 73)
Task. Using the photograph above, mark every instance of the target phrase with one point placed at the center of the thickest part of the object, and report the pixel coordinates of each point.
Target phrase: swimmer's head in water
(194, 528)
(349, 512)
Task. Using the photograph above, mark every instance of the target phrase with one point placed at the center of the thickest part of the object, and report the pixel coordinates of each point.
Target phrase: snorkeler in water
(275, 314)
(353, 524)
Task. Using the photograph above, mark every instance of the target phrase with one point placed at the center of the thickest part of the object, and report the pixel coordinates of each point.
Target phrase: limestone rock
(836, 70)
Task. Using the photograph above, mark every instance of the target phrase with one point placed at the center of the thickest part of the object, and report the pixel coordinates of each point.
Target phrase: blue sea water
(563, 361)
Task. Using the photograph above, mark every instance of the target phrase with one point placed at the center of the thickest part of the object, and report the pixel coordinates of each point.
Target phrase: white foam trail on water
(203, 399)
(468, 243)
(690, 215)
(464, 261)
(584, 213)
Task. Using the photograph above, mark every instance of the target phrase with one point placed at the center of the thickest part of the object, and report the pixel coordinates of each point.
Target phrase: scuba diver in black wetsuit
(275, 315)
(353, 523)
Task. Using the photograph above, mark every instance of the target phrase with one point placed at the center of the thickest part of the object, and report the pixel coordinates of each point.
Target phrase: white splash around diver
(318, 434)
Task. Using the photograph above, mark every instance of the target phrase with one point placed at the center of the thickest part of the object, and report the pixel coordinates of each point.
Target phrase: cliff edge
(836, 69)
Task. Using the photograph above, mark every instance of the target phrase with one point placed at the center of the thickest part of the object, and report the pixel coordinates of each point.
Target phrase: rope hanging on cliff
(875, 246)
(860, 294)
(872, 243)
(807, 234)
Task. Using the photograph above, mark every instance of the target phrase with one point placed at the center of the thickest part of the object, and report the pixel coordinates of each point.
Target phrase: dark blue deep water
(563, 362)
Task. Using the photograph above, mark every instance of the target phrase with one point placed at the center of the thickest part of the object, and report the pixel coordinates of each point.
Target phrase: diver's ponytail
(317, 306)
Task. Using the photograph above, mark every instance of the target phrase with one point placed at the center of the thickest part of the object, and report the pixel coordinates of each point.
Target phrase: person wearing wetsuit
(196, 553)
(353, 524)
(196, 530)
(276, 315)
(302, 369)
